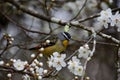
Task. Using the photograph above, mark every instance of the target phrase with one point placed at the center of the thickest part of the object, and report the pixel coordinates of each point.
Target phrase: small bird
(56, 43)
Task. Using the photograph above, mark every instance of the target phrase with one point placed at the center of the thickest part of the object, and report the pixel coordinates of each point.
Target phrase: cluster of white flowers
(75, 66)
(36, 68)
(19, 65)
(57, 61)
(106, 18)
(8, 37)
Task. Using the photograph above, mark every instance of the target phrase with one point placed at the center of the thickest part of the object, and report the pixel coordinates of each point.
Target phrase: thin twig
(98, 42)
(23, 27)
(76, 51)
(6, 47)
(95, 16)
(71, 55)
(47, 13)
(91, 54)
(79, 11)
(34, 58)
(10, 69)
(84, 69)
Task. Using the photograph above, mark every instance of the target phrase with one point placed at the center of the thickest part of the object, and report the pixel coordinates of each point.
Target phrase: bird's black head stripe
(66, 35)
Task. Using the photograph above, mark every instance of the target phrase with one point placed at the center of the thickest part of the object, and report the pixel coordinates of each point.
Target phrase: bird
(55, 43)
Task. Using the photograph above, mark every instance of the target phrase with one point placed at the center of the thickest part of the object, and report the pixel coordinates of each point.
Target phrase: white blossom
(19, 65)
(39, 77)
(36, 67)
(115, 19)
(40, 71)
(33, 72)
(57, 61)
(84, 51)
(41, 63)
(48, 41)
(36, 61)
(1, 62)
(13, 60)
(106, 13)
(9, 75)
(110, 1)
(78, 70)
(33, 64)
(103, 21)
(32, 55)
(26, 77)
(40, 55)
(45, 71)
(31, 69)
(73, 63)
(104, 18)
(41, 49)
(50, 61)
(75, 66)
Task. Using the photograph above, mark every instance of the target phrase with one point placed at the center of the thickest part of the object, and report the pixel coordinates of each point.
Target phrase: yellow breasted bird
(56, 43)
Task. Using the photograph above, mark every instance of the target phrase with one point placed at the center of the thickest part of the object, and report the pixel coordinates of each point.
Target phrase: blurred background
(102, 66)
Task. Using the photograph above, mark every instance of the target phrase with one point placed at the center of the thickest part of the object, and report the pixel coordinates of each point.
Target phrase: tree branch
(95, 16)
(60, 22)
(22, 27)
(9, 69)
(79, 11)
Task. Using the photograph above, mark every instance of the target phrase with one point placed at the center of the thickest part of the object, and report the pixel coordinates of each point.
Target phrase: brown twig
(98, 42)
(9, 69)
(6, 47)
(47, 13)
(95, 16)
(79, 11)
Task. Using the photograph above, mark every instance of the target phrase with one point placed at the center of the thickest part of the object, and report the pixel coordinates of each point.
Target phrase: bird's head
(64, 37)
